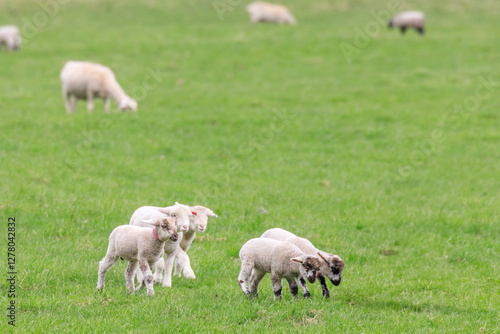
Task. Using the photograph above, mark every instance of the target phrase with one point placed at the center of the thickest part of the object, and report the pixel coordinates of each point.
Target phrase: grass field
(389, 158)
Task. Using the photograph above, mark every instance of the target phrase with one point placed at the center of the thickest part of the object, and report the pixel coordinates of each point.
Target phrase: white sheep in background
(10, 37)
(410, 19)
(280, 258)
(86, 81)
(198, 223)
(139, 246)
(182, 213)
(267, 12)
(331, 266)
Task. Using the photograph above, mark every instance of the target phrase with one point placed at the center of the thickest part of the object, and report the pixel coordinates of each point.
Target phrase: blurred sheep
(410, 19)
(10, 37)
(267, 12)
(86, 81)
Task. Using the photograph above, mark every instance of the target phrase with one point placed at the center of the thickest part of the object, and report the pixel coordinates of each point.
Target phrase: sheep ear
(321, 256)
(297, 259)
(164, 210)
(210, 213)
(152, 222)
(177, 203)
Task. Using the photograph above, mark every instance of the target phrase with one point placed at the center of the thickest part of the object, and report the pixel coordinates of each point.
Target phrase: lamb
(280, 258)
(10, 36)
(141, 247)
(182, 214)
(331, 266)
(197, 223)
(267, 12)
(410, 19)
(86, 81)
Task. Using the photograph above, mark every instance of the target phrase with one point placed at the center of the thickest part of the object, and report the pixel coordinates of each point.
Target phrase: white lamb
(86, 81)
(267, 12)
(331, 266)
(139, 246)
(197, 223)
(280, 258)
(410, 19)
(10, 37)
(182, 213)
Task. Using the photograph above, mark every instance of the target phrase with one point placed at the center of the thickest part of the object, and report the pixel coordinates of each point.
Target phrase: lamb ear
(177, 203)
(321, 256)
(152, 222)
(210, 213)
(297, 259)
(164, 210)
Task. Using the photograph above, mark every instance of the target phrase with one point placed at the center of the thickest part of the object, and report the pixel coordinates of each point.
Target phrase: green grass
(249, 116)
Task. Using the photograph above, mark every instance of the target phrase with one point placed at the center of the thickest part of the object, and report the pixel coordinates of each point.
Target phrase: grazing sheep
(280, 258)
(198, 223)
(267, 12)
(10, 37)
(86, 81)
(411, 19)
(182, 213)
(331, 266)
(139, 246)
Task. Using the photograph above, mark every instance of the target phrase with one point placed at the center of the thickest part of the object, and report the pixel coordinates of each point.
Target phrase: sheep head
(165, 228)
(309, 268)
(128, 103)
(181, 213)
(199, 220)
(332, 267)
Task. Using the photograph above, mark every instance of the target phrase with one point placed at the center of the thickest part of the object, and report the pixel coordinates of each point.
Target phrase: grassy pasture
(384, 159)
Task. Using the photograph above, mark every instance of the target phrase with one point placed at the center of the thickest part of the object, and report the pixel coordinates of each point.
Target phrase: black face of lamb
(336, 282)
(311, 275)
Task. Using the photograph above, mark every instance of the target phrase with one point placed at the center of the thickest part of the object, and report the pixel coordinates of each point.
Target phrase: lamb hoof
(166, 285)
(151, 293)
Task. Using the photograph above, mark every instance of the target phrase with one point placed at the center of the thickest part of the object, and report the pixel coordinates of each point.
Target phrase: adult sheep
(10, 38)
(410, 19)
(267, 12)
(85, 81)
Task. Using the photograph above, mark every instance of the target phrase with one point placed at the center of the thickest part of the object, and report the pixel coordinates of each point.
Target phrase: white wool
(86, 81)
(182, 215)
(267, 12)
(331, 265)
(10, 37)
(280, 258)
(141, 247)
(197, 223)
(409, 19)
